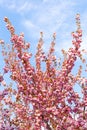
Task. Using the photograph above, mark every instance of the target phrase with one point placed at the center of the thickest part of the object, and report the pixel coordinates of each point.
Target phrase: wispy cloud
(48, 16)
(22, 7)
(29, 24)
(25, 7)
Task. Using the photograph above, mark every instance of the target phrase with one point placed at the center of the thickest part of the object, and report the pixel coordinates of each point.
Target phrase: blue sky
(49, 16)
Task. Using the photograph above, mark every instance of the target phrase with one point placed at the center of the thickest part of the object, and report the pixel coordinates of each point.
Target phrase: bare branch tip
(41, 34)
(5, 19)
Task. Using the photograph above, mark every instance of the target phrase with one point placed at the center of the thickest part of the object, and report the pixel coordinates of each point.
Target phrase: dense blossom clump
(42, 99)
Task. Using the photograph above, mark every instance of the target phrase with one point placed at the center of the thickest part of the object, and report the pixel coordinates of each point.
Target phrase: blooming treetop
(43, 99)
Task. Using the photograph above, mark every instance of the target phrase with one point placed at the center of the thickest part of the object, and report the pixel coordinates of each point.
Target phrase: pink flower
(6, 69)
(26, 56)
(14, 38)
(1, 78)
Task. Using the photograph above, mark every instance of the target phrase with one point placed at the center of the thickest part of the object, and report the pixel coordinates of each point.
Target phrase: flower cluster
(42, 98)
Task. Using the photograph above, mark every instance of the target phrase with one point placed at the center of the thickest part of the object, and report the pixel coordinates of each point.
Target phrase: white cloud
(19, 6)
(25, 7)
(28, 24)
(7, 4)
(1, 2)
(45, 0)
(50, 18)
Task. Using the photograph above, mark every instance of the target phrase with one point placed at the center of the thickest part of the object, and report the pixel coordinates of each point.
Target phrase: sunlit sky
(49, 16)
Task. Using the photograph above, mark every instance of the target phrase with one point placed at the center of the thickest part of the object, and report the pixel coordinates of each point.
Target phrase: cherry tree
(42, 99)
